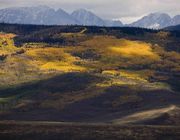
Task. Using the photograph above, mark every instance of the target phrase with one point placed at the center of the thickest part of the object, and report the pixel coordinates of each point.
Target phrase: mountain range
(48, 16)
(156, 21)
(43, 15)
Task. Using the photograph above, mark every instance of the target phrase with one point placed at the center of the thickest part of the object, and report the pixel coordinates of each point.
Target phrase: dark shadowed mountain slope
(173, 28)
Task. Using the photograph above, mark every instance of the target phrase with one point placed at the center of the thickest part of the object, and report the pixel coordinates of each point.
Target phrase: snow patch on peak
(154, 26)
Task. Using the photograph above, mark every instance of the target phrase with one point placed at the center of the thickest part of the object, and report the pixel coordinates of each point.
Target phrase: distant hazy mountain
(112, 23)
(154, 20)
(48, 16)
(176, 20)
(88, 18)
(36, 15)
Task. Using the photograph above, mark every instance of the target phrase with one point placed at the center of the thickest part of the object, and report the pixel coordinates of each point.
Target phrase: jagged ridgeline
(44, 15)
(89, 74)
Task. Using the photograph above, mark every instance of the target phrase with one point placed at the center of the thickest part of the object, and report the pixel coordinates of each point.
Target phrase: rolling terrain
(81, 74)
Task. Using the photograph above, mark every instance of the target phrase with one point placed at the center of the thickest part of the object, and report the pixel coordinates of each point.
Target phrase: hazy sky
(125, 10)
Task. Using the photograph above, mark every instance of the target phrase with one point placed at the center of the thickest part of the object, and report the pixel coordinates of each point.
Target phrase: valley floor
(80, 131)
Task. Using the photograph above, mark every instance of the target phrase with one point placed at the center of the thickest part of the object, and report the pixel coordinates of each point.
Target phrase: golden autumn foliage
(7, 44)
(106, 55)
(54, 59)
(134, 49)
(124, 48)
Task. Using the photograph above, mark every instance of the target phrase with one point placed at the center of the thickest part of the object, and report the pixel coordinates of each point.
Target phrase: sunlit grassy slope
(54, 59)
(121, 47)
(134, 49)
(113, 50)
(134, 60)
(98, 75)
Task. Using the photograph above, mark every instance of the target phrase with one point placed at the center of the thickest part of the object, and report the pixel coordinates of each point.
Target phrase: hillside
(173, 28)
(89, 74)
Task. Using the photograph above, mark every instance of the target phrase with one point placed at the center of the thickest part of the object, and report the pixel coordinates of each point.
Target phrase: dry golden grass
(111, 46)
(100, 42)
(134, 49)
(7, 36)
(124, 77)
(111, 82)
(111, 72)
(7, 44)
(62, 66)
(132, 75)
(69, 35)
(124, 73)
(54, 59)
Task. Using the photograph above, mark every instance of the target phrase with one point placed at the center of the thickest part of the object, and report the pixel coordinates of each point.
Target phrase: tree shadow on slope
(119, 101)
(114, 102)
(64, 83)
